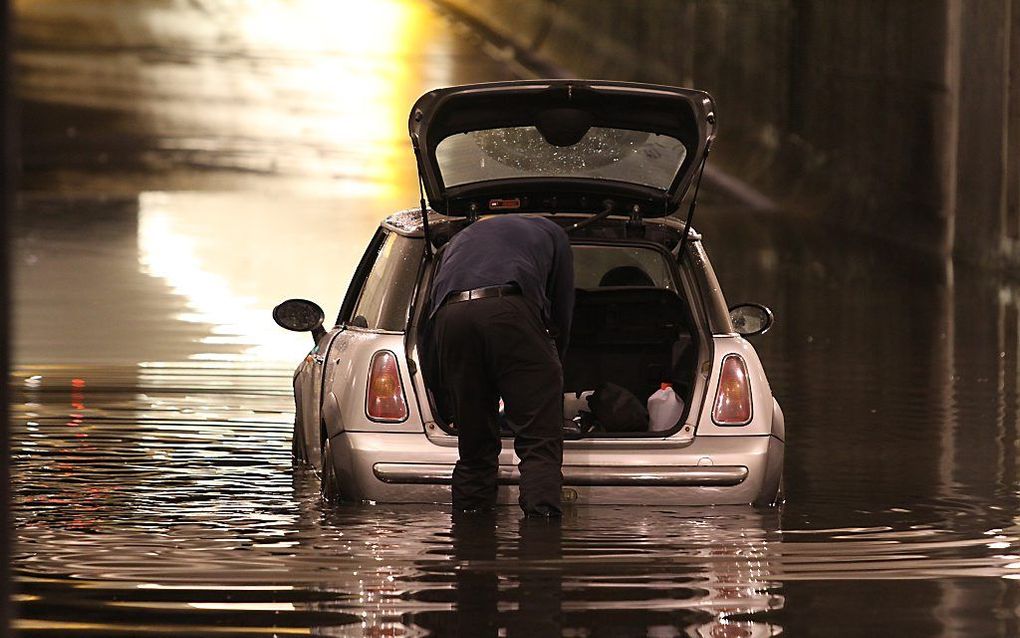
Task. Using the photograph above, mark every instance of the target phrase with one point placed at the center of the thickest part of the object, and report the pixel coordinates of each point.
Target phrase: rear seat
(633, 336)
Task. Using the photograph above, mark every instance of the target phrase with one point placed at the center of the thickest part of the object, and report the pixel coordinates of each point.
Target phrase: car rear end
(394, 445)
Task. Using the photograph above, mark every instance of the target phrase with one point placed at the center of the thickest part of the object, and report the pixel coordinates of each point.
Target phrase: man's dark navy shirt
(532, 252)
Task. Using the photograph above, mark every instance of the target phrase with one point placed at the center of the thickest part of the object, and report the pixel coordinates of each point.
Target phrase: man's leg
(474, 402)
(530, 380)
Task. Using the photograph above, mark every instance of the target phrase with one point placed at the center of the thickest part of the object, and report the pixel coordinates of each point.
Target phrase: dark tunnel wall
(896, 117)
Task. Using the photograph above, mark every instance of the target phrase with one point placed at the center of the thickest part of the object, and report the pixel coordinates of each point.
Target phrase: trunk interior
(626, 343)
(632, 332)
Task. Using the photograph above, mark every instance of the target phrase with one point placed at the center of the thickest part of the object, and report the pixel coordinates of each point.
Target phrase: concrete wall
(898, 117)
(7, 187)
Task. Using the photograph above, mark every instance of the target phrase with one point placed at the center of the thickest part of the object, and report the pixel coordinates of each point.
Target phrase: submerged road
(187, 164)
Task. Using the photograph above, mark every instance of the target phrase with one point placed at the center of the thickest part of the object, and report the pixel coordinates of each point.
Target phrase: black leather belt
(482, 293)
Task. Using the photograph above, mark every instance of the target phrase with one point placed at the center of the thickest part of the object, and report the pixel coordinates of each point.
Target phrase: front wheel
(330, 485)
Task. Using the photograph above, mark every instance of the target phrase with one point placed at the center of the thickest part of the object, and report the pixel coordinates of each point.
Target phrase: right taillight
(733, 399)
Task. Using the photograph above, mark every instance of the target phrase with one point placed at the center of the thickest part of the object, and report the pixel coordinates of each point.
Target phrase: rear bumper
(712, 470)
(441, 474)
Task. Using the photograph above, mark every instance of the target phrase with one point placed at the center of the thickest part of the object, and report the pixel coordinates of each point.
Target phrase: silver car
(617, 165)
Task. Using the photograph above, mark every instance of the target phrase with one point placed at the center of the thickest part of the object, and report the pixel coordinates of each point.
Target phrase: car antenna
(694, 204)
(424, 210)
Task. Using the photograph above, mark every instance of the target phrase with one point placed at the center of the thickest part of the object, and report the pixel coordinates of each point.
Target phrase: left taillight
(733, 398)
(385, 395)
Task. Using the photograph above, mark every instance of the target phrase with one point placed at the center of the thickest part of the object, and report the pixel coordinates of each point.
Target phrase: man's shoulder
(558, 233)
(536, 223)
(511, 230)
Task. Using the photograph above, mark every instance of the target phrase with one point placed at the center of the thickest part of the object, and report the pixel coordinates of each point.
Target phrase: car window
(386, 294)
(598, 266)
(360, 273)
(638, 157)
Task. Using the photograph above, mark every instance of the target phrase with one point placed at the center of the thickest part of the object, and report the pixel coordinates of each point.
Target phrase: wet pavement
(188, 164)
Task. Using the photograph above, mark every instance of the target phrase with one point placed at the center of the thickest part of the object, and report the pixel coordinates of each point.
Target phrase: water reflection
(532, 578)
(181, 506)
(168, 487)
(222, 253)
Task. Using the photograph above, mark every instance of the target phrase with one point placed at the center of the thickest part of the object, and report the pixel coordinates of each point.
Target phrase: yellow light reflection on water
(233, 256)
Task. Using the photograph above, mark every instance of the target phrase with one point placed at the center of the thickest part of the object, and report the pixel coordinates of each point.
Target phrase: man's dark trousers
(499, 347)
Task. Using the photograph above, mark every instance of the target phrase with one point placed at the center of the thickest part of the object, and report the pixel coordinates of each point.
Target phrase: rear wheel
(330, 486)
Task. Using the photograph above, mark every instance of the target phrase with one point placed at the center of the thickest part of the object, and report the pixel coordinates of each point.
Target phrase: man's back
(532, 252)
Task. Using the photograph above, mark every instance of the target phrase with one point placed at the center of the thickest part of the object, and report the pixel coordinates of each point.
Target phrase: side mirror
(300, 315)
(751, 319)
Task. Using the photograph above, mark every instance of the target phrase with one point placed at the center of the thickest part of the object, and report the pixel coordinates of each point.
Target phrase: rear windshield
(601, 266)
(635, 157)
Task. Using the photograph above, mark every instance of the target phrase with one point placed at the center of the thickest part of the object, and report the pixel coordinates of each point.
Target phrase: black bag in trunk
(616, 409)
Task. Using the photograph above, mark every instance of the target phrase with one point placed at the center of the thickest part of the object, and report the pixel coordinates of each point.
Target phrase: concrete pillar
(983, 146)
(1011, 209)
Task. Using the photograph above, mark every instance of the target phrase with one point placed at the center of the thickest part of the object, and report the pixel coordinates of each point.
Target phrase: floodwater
(188, 164)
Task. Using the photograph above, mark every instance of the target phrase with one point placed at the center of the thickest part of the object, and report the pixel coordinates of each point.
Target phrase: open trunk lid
(559, 145)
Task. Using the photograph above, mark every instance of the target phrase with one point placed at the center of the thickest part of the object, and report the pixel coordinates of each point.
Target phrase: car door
(309, 382)
(307, 398)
